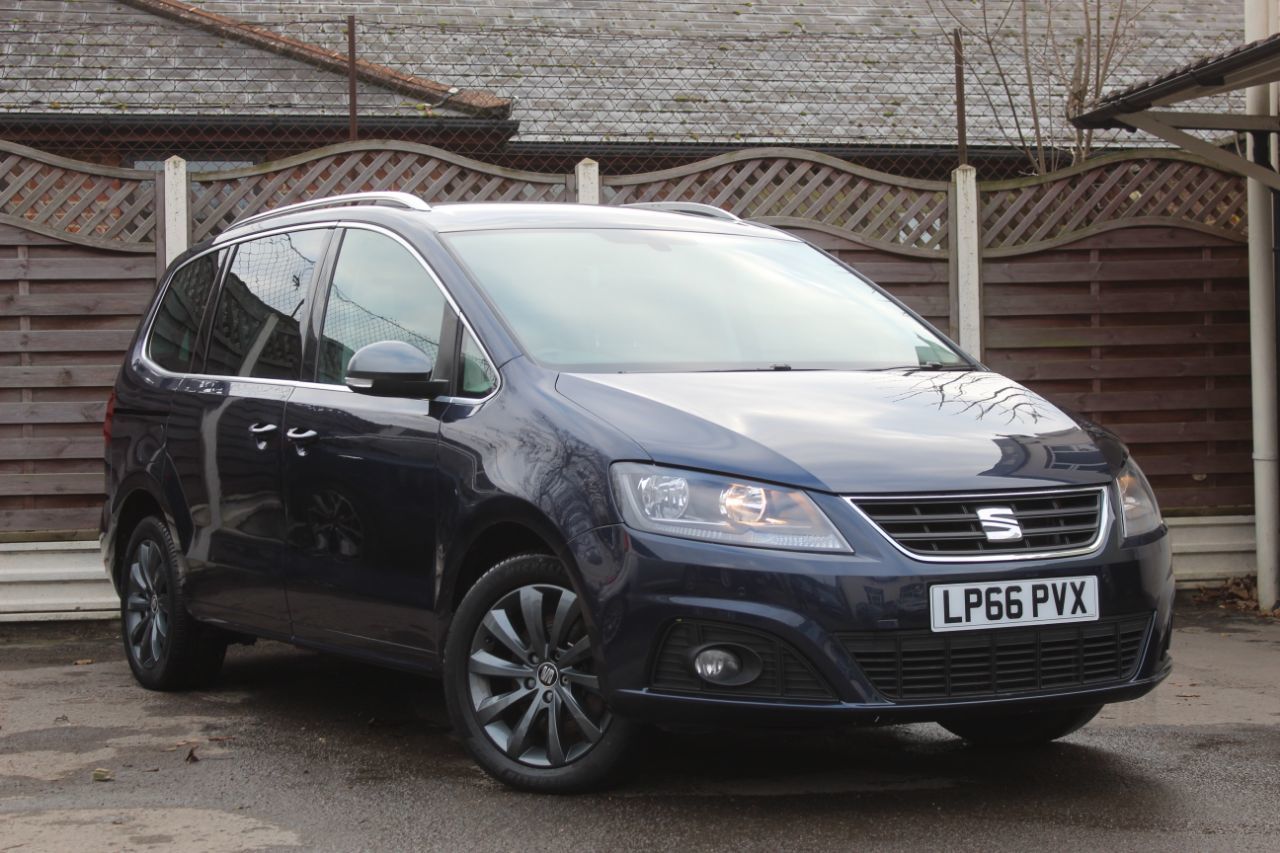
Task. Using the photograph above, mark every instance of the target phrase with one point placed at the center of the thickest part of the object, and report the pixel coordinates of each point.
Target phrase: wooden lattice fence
(1118, 289)
(219, 198)
(77, 266)
(802, 189)
(1107, 194)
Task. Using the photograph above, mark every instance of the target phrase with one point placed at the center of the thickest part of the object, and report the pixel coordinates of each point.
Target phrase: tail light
(106, 421)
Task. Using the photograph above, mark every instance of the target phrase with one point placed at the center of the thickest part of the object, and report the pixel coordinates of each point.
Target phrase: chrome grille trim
(994, 498)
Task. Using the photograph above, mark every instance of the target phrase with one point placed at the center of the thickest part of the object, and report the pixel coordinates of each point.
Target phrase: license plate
(964, 606)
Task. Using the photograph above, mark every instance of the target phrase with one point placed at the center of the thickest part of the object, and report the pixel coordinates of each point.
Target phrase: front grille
(922, 665)
(785, 674)
(946, 526)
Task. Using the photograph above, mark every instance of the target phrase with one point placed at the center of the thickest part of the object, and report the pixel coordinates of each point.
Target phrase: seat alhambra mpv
(603, 466)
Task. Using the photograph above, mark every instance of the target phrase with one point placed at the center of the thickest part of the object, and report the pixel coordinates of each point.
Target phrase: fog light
(719, 666)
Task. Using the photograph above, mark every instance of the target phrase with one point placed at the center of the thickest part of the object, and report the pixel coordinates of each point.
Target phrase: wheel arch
(141, 500)
(506, 528)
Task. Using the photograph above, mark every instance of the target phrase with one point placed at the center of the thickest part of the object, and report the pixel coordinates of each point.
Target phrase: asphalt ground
(293, 750)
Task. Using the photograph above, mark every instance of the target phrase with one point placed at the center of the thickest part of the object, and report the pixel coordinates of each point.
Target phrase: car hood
(853, 432)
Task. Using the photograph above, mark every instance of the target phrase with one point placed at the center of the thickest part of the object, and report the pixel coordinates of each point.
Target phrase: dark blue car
(598, 467)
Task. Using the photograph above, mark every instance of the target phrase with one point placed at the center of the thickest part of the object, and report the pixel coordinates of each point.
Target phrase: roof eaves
(1207, 71)
(475, 102)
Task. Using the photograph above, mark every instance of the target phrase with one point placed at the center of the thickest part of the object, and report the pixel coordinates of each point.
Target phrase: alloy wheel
(530, 672)
(147, 615)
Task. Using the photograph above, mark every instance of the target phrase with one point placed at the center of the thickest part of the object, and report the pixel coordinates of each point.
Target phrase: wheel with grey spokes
(531, 681)
(166, 647)
(146, 610)
(523, 681)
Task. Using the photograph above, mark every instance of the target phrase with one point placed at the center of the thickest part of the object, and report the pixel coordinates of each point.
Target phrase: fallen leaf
(102, 774)
(62, 718)
(82, 662)
(192, 758)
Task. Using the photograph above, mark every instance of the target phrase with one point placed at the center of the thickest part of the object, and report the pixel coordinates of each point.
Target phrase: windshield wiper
(770, 369)
(958, 367)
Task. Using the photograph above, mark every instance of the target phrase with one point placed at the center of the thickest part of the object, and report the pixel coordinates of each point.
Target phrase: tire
(1020, 730)
(530, 723)
(166, 648)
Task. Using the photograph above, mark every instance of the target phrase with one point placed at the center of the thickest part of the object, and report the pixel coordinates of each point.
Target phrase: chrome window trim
(1105, 521)
(310, 226)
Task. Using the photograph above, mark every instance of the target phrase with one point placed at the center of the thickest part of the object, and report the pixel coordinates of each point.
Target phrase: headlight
(1140, 514)
(693, 505)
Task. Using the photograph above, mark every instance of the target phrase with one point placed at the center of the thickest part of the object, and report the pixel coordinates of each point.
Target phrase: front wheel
(1018, 730)
(521, 681)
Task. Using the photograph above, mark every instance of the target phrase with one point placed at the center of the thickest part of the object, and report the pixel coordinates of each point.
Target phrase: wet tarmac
(293, 750)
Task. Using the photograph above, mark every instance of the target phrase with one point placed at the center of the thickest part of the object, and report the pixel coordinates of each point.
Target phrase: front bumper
(639, 585)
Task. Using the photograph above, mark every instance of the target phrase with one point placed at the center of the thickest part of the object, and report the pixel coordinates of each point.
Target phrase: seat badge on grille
(999, 523)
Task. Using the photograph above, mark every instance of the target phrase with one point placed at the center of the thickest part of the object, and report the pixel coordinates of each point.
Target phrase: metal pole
(353, 131)
(962, 132)
(1262, 333)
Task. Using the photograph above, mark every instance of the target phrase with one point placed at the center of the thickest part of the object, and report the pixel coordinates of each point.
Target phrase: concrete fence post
(177, 219)
(588, 174)
(965, 261)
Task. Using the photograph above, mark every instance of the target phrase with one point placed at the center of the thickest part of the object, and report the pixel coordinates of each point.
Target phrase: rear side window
(380, 292)
(257, 328)
(173, 334)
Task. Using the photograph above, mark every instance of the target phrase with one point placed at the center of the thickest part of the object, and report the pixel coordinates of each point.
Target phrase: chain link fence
(534, 85)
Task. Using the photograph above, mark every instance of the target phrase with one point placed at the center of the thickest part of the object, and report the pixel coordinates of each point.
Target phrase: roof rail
(692, 207)
(405, 200)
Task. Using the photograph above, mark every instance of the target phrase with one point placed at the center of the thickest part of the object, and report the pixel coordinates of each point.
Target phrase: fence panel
(67, 312)
(802, 189)
(77, 266)
(220, 198)
(1146, 331)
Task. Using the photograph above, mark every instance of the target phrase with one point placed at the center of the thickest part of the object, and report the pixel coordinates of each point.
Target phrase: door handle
(300, 438)
(259, 432)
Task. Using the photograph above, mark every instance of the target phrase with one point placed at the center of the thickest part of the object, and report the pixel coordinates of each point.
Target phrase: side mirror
(393, 369)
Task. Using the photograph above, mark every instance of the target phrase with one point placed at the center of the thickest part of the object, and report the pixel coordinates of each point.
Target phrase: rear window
(173, 333)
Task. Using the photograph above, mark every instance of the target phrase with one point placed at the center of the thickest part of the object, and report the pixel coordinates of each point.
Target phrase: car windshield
(595, 300)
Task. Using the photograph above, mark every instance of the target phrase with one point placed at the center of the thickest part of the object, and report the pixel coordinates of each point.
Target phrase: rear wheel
(521, 681)
(1017, 730)
(167, 649)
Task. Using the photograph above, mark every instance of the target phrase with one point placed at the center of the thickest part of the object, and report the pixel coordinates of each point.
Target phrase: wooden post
(588, 174)
(965, 261)
(177, 220)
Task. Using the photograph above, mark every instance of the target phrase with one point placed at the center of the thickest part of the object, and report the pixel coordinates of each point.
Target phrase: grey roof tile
(95, 57)
(819, 72)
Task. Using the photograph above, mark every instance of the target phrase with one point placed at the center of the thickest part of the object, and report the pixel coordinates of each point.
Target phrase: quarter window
(177, 323)
(380, 292)
(257, 330)
(479, 377)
